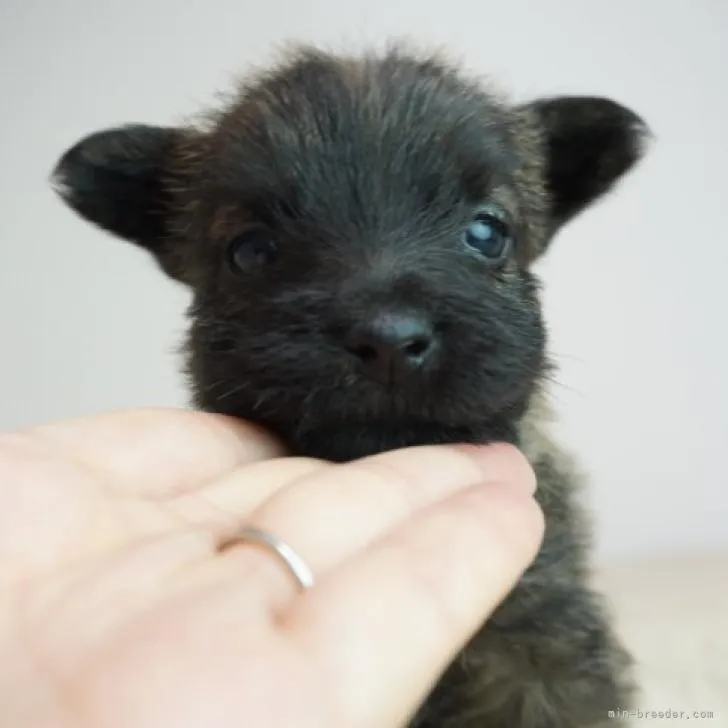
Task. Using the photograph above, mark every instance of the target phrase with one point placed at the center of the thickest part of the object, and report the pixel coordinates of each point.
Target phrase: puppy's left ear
(590, 144)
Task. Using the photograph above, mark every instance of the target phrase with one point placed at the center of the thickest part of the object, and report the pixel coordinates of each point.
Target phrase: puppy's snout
(391, 347)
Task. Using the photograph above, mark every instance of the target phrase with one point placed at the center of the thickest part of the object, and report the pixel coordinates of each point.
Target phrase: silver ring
(296, 565)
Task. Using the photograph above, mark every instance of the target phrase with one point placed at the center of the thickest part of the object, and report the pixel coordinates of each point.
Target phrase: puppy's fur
(333, 192)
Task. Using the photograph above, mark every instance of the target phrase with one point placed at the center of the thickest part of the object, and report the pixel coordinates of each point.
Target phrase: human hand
(118, 609)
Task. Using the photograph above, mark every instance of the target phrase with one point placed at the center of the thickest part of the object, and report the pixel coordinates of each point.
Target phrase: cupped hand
(119, 609)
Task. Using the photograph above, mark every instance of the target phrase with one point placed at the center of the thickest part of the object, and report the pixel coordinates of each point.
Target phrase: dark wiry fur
(365, 171)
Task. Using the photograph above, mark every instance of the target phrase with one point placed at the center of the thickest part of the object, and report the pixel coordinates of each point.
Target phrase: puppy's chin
(342, 442)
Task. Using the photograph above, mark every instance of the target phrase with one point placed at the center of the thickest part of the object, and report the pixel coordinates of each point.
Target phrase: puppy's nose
(391, 346)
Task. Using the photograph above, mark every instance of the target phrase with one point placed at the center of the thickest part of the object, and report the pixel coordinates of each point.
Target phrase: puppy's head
(358, 235)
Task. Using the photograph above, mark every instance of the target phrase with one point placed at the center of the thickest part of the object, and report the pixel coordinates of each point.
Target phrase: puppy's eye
(253, 248)
(489, 235)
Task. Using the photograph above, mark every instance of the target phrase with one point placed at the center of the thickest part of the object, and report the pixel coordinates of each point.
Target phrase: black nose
(391, 346)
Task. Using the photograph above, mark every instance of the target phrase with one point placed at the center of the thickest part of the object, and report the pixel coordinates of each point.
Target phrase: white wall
(636, 290)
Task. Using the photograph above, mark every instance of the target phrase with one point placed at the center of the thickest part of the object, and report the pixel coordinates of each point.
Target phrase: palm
(118, 597)
(118, 609)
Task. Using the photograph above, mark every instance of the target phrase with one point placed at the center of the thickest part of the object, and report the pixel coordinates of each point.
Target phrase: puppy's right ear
(115, 179)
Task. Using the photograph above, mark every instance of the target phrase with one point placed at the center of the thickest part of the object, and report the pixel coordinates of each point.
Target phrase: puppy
(357, 233)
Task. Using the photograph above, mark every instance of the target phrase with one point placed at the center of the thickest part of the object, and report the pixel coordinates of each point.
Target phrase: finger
(331, 513)
(383, 627)
(225, 502)
(159, 452)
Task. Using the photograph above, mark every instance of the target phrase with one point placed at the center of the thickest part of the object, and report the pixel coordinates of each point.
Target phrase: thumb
(384, 626)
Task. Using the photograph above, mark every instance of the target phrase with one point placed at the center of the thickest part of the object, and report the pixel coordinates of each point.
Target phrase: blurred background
(635, 289)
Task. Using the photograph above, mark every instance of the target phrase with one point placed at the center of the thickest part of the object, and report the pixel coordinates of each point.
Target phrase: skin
(117, 608)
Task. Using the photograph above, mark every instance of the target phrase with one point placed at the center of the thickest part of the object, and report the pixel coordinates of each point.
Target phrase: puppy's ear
(590, 143)
(115, 179)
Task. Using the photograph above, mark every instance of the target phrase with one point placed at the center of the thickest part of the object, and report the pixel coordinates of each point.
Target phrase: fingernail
(503, 464)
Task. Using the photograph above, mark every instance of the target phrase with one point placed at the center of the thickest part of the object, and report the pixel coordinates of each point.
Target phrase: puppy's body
(548, 656)
(358, 235)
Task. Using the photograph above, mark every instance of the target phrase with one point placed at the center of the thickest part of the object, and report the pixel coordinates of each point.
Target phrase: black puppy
(357, 233)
